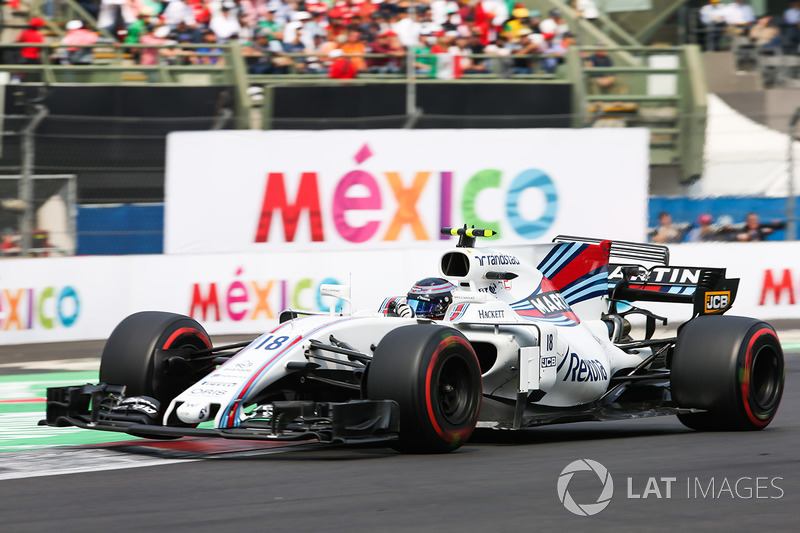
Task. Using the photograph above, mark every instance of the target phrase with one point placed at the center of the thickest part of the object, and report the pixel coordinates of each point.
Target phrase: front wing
(358, 421)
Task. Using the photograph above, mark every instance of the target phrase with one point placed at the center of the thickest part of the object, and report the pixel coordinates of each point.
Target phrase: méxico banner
(258, 191)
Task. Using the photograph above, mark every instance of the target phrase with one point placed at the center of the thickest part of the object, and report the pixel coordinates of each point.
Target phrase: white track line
(57, 365)
(52, 461)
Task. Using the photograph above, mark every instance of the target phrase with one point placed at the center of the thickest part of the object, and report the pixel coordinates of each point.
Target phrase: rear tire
(730, 366)
(129, 357)
(433, 374)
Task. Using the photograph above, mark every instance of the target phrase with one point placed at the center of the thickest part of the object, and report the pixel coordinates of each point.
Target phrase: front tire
(433, 374)
(733, 368)
(129, 357)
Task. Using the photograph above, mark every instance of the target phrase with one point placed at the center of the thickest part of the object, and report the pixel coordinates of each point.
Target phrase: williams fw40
(510, 338)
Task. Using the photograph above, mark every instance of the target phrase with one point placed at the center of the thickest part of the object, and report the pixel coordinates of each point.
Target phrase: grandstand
(106, 120)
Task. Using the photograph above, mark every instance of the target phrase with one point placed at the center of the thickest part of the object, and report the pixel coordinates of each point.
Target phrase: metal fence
(58, 173)
(38, 215)
(102, 190)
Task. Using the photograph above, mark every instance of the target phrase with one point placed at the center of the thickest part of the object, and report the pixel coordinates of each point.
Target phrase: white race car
(502, 338)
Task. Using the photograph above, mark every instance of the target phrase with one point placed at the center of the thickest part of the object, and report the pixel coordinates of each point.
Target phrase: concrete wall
(744, 91)
(722, 76)
(772, 107)
(781, 104)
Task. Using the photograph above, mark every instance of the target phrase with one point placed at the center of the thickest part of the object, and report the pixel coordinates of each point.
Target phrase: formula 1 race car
(509, 339)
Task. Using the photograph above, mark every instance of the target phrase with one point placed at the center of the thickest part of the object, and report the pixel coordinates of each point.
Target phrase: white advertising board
(83, 298)
(262, 191)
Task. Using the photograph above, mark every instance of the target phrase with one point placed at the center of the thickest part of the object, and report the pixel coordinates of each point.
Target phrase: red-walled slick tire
(130, 358)
(432, 372)
(733, 368)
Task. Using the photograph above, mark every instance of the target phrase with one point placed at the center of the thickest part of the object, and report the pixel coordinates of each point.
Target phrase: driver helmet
(430, 297)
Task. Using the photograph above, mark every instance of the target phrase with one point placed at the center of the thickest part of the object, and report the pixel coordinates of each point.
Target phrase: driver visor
(419, 307)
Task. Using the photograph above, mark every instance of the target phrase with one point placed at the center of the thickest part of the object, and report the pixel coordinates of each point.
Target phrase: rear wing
(707, 289)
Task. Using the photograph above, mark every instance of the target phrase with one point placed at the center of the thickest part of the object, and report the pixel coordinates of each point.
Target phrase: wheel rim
(765, 378)
(188, 341)
(169, 380)
(454, 391)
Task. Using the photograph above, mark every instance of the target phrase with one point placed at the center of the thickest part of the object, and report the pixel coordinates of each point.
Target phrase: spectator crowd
(338, 37)
(706, 229)
(724, 24)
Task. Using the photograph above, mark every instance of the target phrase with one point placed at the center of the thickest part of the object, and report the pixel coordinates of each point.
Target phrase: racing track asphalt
(499, 481)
